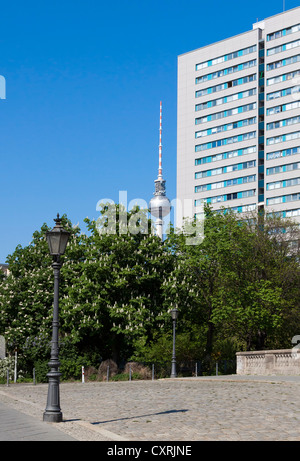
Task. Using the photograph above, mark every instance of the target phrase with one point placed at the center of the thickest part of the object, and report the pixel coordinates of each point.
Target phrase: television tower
(160, 205)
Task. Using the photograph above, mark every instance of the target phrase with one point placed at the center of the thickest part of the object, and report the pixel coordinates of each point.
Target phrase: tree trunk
(115, 348)
(209, 347)
(261, 338)
(209, 338)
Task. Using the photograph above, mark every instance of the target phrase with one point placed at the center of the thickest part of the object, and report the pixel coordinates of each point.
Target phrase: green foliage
(8, 363)
(236, 289)
(110, 295)
(71, 368)
(189, 346)
(41, 369)
(240, 282)
(125, 377)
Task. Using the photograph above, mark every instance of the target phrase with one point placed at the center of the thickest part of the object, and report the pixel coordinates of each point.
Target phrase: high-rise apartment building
(238, 133)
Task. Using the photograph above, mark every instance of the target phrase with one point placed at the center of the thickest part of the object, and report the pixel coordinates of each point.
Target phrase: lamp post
(57, 240)
(174, 314)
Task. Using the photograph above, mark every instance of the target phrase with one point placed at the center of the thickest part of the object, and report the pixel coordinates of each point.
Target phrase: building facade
(238, 121)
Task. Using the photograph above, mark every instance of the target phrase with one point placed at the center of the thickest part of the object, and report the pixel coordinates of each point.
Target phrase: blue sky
(84, 80)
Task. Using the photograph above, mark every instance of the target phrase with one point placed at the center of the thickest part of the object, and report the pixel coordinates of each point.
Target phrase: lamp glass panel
(53, 240)
(64, 237)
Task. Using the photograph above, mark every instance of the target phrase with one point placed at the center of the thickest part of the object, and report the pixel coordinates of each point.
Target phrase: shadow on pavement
(140, 416)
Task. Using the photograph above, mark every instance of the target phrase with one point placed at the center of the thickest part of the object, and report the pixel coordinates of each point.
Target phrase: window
(282, 32)
(232, 168)
(249, 207)
(274, 110)
(285, 92)
(227, 71)
(232, 196)
(226, 197)
(227, 127)
(274, 170)
(225, 155)
(291, 151)
(210, 90)
(226, 57)
(283, 183)
(284, 47)
(274, 200)
(283, 62)
(274, 140)
(226, 183)
(273, 155)
(216, 88)
(226, 169)
(222, 142)
(218, 198)
(274, 185)
(291, 213)
(246, 179)
(292, 166)
(285, 122)
(272, 81)
(292, 182)
(248, 193)
(275, 95)
(239, 209)
(235, 153)
(232, 97)
(282, 78)
(274, 35)
(216, 171)
(291, 197)
(283, 138)
(231, 182)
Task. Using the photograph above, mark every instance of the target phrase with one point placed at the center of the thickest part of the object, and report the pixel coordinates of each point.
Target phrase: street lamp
(174, 314)
(57, 240)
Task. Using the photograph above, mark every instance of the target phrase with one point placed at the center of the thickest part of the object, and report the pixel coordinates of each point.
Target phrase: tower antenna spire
(160, 145)
(160, 205)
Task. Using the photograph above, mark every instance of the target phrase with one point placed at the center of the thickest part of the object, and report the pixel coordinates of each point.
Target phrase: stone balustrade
(276, 362)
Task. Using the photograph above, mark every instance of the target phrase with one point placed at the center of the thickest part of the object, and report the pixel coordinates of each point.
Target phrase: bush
(8, 363)
(102, 370)
(125, 377)
(138, 369)
(41, 370)
(90, 373)
(120, 377)
(71, 368)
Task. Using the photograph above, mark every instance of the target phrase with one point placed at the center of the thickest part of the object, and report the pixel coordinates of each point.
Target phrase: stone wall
(277, 362)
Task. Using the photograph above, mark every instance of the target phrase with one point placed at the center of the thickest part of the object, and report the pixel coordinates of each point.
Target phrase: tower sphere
(160, 206)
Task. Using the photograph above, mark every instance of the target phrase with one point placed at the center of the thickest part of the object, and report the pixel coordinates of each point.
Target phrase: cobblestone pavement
(217, 408)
